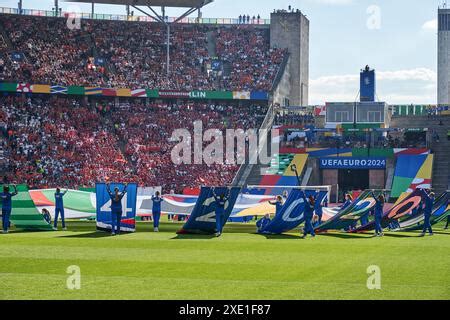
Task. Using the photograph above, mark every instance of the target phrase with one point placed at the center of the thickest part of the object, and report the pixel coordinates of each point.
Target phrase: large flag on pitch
(203, 217)
(104, 219)
(291, 214)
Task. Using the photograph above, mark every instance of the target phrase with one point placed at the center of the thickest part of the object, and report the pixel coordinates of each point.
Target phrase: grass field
(238, 265)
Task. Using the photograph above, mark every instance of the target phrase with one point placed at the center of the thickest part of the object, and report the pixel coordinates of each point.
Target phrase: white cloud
(431, 25)
(395, 87)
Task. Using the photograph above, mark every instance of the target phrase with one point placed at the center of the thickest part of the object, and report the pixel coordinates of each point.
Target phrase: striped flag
(139, 93)
(58, 90)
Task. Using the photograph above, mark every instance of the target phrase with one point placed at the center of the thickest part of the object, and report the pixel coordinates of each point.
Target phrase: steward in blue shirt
(116, 207)
(220, 209)
(427, 211)
(59, 208)
(7, 206)
(156, 210)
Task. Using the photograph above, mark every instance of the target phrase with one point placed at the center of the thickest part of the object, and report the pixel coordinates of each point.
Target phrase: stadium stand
(64, 140)
(134, 54)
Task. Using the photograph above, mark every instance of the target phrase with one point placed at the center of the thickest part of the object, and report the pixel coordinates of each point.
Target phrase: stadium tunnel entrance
(348, 174)
(349, 179)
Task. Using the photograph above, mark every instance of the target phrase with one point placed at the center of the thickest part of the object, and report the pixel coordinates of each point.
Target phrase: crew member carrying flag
(429, 201)
(59, 208)
(378, 211)
(116, 207)
(156, 210)
(309, 212)
(220, 209)
(7, 206)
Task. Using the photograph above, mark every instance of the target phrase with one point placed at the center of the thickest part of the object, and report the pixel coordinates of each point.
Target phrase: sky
(398, 38)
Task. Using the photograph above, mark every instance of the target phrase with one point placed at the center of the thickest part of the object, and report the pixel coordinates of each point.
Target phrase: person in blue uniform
(262, 223)
(47, 216)
(427, 211)
(220, 202)
(156, 210)
(7, 206)
(364, 219)
(59, 209)
(378, 212)
(319, 212)
(116, 207)
(278, 203)
(348, 201)
(309, 212)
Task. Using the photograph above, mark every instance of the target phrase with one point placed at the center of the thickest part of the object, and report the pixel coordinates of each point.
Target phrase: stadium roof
(156, 3)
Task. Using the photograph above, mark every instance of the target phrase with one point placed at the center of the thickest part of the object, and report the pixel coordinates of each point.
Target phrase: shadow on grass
(279, 236)
(347, 235)
(402, 235)
(89, 235)
(441, 232)
(193, 237)
(19, 231)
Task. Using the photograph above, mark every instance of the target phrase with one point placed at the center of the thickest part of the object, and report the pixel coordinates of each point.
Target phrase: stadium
(151, 157)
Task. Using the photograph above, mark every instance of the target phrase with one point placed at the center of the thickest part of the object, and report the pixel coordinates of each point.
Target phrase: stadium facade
(291, 30)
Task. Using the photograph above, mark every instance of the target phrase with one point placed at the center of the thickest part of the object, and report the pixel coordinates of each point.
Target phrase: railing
(115, 17)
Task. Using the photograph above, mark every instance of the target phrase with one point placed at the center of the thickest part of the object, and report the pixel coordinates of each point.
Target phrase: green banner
(152, 93)
(75, 90)
(24, 214)
(8, 87)
(219, 95)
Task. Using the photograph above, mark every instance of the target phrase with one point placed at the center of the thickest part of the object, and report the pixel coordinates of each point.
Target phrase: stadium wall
(291, 30)
(282, 90)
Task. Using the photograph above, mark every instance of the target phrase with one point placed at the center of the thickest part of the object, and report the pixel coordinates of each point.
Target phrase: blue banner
(216, 65)
(203, 217)
(352, 163)
(367, 85)
(291, 214)
(104, 218)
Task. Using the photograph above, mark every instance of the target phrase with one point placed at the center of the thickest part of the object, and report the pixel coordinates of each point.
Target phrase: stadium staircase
(250, 174)
(212, 43)
(441, 149)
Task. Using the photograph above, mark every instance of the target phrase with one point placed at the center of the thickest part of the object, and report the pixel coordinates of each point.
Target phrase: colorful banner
(140, 93)
(104, 218)
(350, 215)
(412, 172)
(24, 213)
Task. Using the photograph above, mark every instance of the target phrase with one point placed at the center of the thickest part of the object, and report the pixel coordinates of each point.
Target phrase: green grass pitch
(238, 265)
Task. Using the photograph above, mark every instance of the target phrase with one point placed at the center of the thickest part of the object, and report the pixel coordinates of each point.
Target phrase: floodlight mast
(162, 19)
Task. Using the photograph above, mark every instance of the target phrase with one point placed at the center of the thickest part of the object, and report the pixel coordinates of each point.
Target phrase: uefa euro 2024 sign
(352, 163)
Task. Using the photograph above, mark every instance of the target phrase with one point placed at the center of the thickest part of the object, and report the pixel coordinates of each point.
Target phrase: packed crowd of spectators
(254, 65)
(133, 54)
(64, 141)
